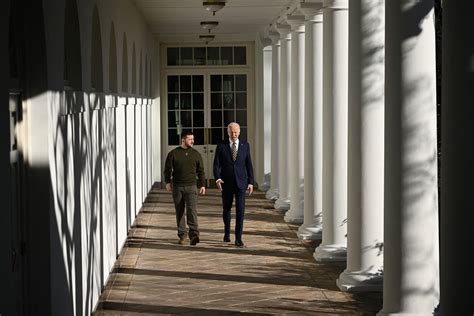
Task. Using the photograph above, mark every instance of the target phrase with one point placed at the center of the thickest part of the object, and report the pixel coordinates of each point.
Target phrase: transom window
(205, 56)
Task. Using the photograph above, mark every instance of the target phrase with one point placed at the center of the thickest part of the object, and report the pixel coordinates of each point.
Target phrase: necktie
(234, 151)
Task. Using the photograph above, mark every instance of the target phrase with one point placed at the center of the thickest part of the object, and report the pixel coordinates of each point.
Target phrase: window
(185, 107)
(210, 56)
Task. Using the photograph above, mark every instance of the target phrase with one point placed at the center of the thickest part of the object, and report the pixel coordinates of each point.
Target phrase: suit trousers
(228, 194)
(186, 197)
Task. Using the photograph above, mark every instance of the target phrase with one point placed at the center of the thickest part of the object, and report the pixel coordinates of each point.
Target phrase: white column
(411, 273)
(313, 162)
(274, 191)
(283, 202)
(457, 279)
(296, 212)
(366, 147)
(266, 114)
(335, 81)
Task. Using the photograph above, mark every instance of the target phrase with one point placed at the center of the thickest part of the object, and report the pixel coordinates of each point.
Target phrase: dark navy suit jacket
(240, 171)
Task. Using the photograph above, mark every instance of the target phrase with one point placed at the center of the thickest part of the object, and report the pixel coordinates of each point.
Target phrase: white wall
(95, 145)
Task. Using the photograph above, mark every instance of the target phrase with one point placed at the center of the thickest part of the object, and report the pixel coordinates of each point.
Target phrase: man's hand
(169, 187)
(202, 190)
(219, 183)
(250, 188)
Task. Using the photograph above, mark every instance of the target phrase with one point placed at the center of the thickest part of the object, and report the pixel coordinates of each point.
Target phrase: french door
(205, 103)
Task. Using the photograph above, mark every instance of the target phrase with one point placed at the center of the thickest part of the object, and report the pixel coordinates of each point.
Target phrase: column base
(265, 186)
(282, 204)
(272, 194)
(382, 313)
(360, 281)
(330, 253)
(310, 232)
(266, 182)
(294, 217)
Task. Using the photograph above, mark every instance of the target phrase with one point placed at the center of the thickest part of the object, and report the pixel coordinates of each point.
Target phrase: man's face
(188, 141)
(234, 132)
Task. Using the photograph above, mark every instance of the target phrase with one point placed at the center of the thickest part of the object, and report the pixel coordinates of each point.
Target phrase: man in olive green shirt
(182, 166)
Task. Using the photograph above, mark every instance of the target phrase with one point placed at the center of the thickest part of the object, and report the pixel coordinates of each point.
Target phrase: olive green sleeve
(168, 167)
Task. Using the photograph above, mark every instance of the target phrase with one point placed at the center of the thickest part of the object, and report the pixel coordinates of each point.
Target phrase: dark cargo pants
(185, 197)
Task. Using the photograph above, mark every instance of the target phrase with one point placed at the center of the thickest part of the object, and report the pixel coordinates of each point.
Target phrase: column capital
(275, 37)
(296, 22)
(265, 40)
(336, 4)
(312, 11)
(284, 30)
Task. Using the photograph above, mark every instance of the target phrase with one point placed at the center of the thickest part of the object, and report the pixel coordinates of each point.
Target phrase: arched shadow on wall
(113, 61)
(72, 47)
(125, 88)
(140, 75)
(134, 70)
(150, 81)
(97, 77)
(147, 78)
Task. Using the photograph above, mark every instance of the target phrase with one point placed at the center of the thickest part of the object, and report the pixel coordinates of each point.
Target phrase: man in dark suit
(233, 172)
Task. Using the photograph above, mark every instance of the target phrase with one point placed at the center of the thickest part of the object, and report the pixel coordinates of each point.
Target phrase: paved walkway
(275, 274)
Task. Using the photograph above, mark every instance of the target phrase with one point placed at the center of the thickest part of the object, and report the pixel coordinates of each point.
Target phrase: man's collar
(236, 141)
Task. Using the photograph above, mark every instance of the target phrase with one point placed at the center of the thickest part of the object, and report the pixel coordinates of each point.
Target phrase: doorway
(205, 103)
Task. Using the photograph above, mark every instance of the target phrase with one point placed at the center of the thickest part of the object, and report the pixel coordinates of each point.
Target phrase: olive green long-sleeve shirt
(183, 165)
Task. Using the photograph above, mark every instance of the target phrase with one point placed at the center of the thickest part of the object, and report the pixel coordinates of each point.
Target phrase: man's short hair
(185, 134)
(233, 124)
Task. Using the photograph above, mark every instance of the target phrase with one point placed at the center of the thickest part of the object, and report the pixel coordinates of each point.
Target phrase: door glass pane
(173, 83)
(240, 82)
(243, 133)
(198, 101)
(216, 118)
(173, 137)
(185, 83)
(241, 117)
(173, 101)
(241, 100)
(198, 136)
(186, 119)
(186, 57)
(228, 100)
(213, 57)
(198, 118)
(171, 119)
(199, 55)
(240, 56)
(226, 56)
(186, 101)
(216, 135)
(228, 117)
(172, 56)
(216, 100)
(216, 83)
(228, 83)
(198, 83)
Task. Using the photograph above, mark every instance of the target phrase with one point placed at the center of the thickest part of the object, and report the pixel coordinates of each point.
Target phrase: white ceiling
(178, 20)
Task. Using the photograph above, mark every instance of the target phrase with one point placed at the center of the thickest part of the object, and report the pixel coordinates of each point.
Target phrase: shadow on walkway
(275, 274)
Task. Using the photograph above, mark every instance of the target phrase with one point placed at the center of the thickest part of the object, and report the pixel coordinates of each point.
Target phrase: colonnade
(354, 95)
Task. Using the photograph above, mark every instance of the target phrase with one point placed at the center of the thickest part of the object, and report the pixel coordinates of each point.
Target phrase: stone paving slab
(274, 275)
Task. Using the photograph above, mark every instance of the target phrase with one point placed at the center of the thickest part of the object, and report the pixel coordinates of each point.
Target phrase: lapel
(239, 151)
(227, 149)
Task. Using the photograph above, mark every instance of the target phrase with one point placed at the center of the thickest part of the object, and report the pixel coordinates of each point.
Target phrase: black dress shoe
(226, 239)
(194, 240)
(239, 243)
